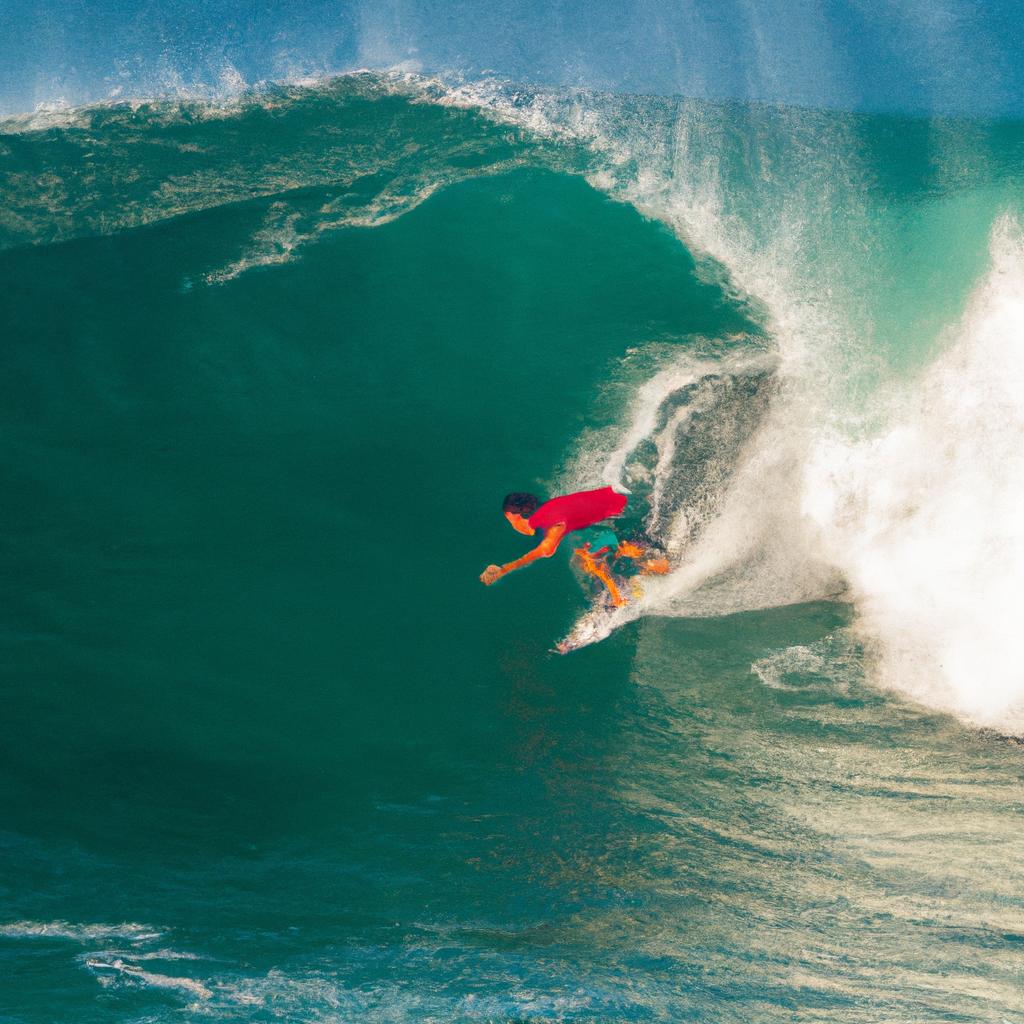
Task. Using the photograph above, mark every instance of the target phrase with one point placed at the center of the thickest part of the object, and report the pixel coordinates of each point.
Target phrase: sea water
(271, 751)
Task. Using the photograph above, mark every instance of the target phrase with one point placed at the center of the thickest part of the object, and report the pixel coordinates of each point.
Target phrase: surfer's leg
(602, 573)
(598, 569)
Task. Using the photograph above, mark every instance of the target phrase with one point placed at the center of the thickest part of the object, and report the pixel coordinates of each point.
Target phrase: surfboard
(595, 625)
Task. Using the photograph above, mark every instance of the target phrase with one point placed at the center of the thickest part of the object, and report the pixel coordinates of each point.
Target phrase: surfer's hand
(490, 574)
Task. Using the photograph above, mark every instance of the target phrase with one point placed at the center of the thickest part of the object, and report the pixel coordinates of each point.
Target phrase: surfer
(564, 515)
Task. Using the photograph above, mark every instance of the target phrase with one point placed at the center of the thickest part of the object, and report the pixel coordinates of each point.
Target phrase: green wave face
(359, 149)
(269, 747)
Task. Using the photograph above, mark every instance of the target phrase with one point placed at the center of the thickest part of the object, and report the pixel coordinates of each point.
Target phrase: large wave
(868, 440)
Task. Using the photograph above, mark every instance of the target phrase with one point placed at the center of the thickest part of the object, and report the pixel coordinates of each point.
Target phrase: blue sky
(953, 56)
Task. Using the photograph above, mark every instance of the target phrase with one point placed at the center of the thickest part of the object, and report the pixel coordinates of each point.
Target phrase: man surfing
(564, 515)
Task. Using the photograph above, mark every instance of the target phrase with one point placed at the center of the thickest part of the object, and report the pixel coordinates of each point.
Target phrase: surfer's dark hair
(520, 503)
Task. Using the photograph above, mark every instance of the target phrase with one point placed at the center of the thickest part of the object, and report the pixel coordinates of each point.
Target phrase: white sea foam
(115, 966)
(773, 670)
(84, 933)
(833, 662)
(647, 403)
(168, 94)
(110, 971)
(925, 518)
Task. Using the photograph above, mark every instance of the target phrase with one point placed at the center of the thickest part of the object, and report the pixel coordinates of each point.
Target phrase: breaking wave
(879, 457)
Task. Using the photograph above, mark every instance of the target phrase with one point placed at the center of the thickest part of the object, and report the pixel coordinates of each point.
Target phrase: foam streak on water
(85, 933)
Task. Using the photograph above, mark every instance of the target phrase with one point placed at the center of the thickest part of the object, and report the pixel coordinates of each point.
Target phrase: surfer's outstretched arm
(545, 549)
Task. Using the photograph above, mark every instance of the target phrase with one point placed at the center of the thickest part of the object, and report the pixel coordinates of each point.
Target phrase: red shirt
(584, 508)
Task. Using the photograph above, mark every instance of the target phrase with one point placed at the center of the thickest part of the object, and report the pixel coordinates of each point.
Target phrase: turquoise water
(271, 752)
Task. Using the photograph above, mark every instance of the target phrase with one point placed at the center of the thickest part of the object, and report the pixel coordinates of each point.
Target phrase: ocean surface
(270, 752)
